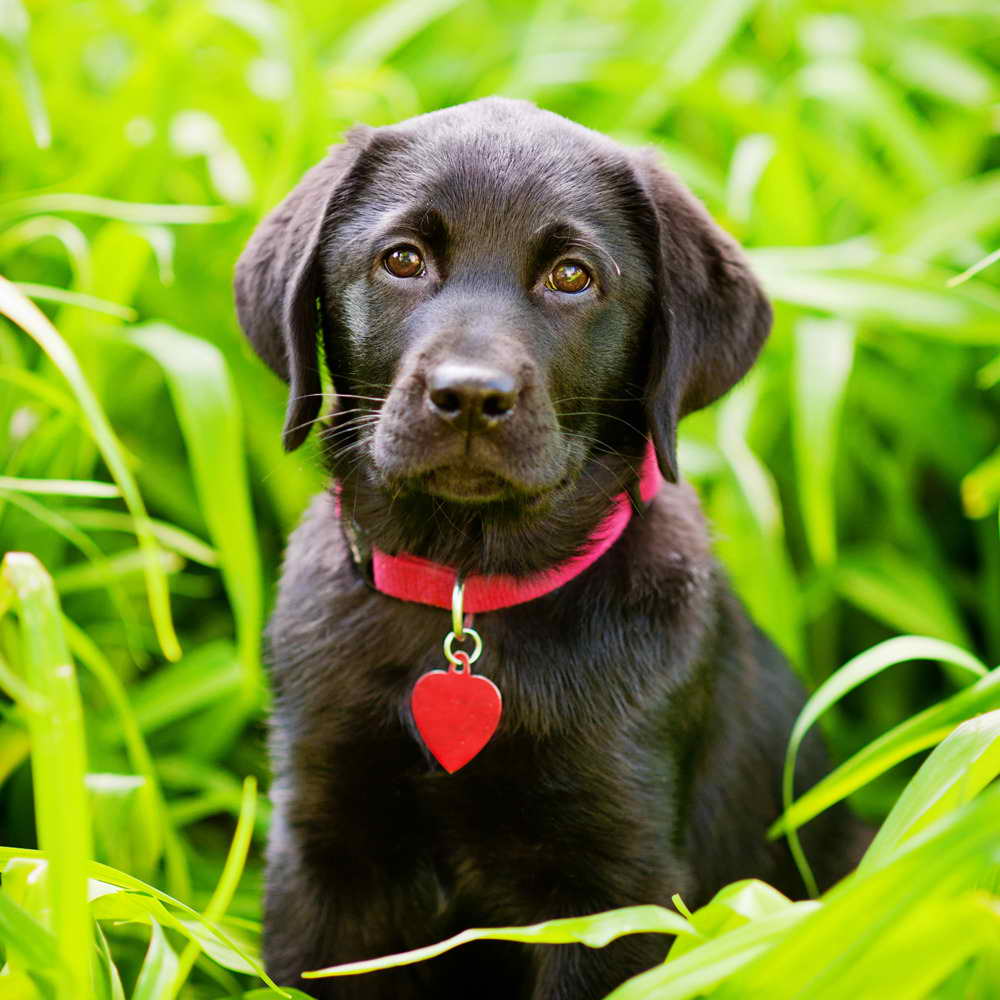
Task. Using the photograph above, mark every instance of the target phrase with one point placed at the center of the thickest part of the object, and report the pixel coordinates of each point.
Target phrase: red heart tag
(456, 712)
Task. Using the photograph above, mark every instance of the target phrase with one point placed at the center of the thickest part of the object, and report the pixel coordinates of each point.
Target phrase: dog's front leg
(579, 972)
(572, 841)
(345, 883)
(312, 922)
(592, 860)
(576, 972)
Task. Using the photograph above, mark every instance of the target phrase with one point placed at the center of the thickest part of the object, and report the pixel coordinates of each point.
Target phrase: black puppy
(510, 307)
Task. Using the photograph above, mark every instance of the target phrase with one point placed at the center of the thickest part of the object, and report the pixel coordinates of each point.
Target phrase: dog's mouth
(466, 485)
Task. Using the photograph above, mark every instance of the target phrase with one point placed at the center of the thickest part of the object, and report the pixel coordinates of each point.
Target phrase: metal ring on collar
(457, 618)
(477, 648)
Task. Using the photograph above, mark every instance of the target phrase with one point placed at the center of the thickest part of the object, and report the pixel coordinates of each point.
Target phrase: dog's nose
(470, 396)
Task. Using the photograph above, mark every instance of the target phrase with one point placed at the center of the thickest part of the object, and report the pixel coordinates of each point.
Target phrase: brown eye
(569, 276)
(404, 262)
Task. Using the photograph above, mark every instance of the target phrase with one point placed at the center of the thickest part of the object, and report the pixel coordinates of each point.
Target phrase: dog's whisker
(591, 245)
(337, 441)
(600, 488)
(361, 417)
(326, 416)
(594, 443)
(596, 399)
(306, 423)
(440, 509)
(336, 396)
(349, 460)
(573, 239)
(342, 451)
(343, 433)
(609, 416)
(339, 418)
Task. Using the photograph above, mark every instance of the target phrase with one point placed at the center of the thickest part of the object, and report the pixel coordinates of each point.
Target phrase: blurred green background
(853, 480)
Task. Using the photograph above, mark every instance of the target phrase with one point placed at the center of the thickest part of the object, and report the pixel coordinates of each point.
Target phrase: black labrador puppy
(512, 310)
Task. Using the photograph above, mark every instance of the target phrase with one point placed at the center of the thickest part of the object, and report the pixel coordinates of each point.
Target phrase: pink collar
(411, 578)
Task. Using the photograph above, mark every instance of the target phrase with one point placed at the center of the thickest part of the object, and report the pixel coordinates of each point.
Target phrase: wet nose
(476, 398)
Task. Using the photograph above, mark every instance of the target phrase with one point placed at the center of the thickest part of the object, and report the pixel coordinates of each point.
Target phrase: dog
(514, 313)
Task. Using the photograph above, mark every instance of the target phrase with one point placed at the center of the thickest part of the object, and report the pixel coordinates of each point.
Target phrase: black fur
(645, 717)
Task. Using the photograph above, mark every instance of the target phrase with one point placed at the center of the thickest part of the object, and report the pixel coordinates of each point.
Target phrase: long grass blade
(90, 655)
(704, 967)
(26, 315)
(917, 733)
(48, 293)
(228, 880)
(869, 664)
(60, 487)
(58, 762)
(109, 208)
(595, 931)
(100, 873)
(824, 354)
(960, 767)
(885, 908)
(159, 969)
(209, 415)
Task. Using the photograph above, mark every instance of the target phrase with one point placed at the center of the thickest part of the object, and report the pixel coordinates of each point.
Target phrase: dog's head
(504, 300)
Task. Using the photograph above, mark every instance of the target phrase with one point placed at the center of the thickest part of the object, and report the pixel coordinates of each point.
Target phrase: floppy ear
(278, 283)
(711, 314)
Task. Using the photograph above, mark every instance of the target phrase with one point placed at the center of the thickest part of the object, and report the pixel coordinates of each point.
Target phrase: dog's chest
(588, 660)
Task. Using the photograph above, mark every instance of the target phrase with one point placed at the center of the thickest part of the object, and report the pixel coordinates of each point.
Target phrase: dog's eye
(569, 276)
(404, 262)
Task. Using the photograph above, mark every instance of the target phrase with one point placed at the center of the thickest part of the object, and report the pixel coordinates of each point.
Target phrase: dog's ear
(278, 282)
(711, 317)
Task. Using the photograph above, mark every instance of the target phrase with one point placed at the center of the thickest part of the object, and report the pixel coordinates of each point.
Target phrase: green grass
(853, 480)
